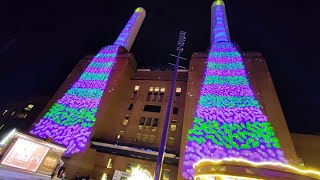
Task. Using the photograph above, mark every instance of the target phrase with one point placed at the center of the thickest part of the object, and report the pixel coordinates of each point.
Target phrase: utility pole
(162, 147)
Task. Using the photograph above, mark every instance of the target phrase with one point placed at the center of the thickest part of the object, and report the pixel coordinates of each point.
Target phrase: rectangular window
(134, 95)
(141, 123)
(178, 90)
(152, 108)
(5, 111)
(171, 141)
(148, 123)
(138, 137)
(155, 124)
(156, 89)
(110, 163)
(175, 110)
(149, 96)
(163, 89)
(173, 126)
(151, 88)
(166, 174)
(29, 107)
(161, 97)
(145, 138)
(130, 107)
(120, 135)
(152, 138)
(125, 120)
(136, 88)
(176, 98)
(154, 97)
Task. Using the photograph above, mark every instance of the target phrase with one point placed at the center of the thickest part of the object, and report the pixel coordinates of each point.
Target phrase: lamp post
(162, 147)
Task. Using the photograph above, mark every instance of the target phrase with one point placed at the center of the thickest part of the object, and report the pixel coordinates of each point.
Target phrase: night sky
(41, 42)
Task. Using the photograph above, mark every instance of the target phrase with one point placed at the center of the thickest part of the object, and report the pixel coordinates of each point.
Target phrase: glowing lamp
(140, 174)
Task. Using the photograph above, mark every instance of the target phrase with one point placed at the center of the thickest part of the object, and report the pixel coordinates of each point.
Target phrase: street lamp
(162, 147)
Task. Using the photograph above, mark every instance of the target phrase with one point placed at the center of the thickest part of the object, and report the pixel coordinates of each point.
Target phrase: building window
(171, 141)
(13, 113)
(1, 126)
(176, 98)
(120, 135)
(161, 97)
(156, 89)
(149, 96)
(136, 88)
(138, 137)
(25, 116)
(152, 138)
(152, 108)
(175, 110)
(5, 111)
(155, 124)
(125, 120)
(145, 138)
(130, 107)
(141, 123)
(110, 163)
(166, 174)
(162, 89)
(134, 95)
(154, 97)
(148, 123)
(178, 90)
(151, 88)
(104, 176)
(173, 126)
(29, 107)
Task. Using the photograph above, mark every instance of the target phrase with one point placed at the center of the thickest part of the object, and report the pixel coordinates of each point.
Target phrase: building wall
(307, 148)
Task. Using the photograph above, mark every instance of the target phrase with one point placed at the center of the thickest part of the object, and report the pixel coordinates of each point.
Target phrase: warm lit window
(166, 174)
(161, 97)
(149, 96)
(130, 107)
(148, 123)
(136, 88)
(120, 135)
(155, 124)
(110, 163)
(134, 95)
(163, 89)
(145, 137)
(178, 90)
(125, 120)
(5, 111)
(104, 176)
(171, 141)
(175, 110)
(156, 89)
(138, 137)
(151, 88)
(141, 123)
(152, 138)
(173, 126)
(29, 107)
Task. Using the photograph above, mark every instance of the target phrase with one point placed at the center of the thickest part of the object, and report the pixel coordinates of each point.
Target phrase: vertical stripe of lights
(70, 120)
(228, 121)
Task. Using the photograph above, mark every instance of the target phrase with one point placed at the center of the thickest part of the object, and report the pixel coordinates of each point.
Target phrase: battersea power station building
(226, 121)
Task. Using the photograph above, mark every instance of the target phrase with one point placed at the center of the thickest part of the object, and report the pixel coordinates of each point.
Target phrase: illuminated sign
(26, 155)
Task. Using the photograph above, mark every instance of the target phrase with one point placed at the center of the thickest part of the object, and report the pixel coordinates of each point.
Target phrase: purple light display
(70, 120)
(228, 121)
